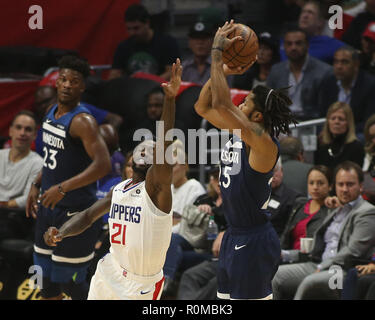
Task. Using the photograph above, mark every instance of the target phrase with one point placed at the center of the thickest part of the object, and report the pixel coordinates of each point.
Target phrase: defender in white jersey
(140, 219)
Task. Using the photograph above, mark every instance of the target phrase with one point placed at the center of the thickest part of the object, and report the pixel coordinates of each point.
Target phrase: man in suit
(294, 168)
(349, 84)
(302, 73)
(346, 233)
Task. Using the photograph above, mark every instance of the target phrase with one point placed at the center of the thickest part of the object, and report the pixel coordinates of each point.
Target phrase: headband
(268, 95)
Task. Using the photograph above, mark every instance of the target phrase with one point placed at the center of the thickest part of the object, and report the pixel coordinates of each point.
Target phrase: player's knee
(309, 281)
(307, 288)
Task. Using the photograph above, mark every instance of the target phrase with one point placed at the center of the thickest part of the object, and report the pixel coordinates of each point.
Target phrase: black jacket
(362, 100)
(280, 206)
(296, 216)
(353, 151)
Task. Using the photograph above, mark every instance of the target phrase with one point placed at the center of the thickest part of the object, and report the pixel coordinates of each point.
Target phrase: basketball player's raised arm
(85, 129)
(79, 222)
(252, 133)
(159, 176)
(203, 106)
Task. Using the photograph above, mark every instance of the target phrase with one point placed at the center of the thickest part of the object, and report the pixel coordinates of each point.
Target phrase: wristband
(217, 48)
(61, 190)
(35, 184)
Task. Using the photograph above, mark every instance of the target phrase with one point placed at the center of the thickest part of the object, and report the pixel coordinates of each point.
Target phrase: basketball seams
(233, 57)
(250, 54)
(244, 44)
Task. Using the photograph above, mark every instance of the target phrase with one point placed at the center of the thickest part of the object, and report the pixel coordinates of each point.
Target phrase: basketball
(241, 53)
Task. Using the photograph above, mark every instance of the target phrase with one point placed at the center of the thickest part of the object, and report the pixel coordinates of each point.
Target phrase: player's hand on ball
(221, 40)
(231, 71)
(51, 236)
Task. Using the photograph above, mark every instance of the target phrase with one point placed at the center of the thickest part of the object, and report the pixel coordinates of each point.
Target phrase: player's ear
(257, 116)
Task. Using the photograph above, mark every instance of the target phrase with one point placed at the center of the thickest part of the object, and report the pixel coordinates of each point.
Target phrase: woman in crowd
(338, 141)
(307, 215)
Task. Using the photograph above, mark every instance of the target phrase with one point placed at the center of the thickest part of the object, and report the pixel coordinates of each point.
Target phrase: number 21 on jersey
(118, 233)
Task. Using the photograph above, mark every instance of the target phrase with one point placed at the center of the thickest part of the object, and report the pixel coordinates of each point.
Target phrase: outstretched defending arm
(79, 222)
(159, 176)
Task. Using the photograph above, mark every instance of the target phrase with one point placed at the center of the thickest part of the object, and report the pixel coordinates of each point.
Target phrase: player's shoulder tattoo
(257, 129)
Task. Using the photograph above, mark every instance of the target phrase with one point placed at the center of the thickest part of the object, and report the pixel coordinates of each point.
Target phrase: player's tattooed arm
(221, 41)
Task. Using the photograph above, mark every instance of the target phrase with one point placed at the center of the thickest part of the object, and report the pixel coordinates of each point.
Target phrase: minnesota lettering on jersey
(53, 141)
(230, 157)
(126, 213)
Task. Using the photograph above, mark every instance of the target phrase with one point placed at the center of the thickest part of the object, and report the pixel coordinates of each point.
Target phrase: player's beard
(140, 169)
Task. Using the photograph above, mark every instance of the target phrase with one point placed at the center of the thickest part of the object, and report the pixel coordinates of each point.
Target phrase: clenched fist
(51, 236)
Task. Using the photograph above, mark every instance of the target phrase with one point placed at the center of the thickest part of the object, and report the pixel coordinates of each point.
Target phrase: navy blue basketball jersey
(245, 192)
(65, 157)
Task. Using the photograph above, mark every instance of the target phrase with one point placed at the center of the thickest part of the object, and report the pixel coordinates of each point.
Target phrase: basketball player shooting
(140, 219)
(250, 249)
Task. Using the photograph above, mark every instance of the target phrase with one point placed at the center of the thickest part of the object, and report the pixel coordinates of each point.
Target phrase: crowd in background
(329, 74)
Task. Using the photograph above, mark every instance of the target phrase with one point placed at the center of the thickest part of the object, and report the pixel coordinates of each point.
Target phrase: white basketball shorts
(111, 282)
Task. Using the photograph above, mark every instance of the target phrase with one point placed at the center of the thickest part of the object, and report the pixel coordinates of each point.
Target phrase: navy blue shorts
(73, 255)
(248, 260)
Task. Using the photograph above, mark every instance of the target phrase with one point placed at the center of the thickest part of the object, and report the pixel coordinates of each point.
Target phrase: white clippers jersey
(140, 233)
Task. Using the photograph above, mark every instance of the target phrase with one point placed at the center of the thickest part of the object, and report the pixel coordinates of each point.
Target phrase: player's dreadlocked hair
(274, 105)
(75, 63)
